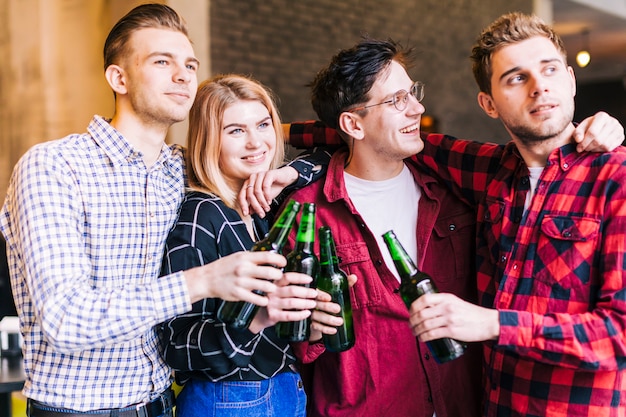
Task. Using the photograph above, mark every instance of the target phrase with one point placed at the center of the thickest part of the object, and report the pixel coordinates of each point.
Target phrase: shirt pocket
(566, 250)
(453, 245)
(354, 258)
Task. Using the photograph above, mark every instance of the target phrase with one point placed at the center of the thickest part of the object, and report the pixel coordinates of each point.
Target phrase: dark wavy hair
(348, 79)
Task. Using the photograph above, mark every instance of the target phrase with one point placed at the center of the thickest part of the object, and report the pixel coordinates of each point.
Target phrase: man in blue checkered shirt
(85, 221)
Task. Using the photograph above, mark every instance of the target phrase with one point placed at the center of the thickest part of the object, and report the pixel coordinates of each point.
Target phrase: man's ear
(485, 101)
(116, 78)
(572, 75)
(350, 123)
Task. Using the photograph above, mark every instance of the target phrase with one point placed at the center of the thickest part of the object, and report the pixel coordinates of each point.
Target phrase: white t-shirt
(535, 173)
(388, 205)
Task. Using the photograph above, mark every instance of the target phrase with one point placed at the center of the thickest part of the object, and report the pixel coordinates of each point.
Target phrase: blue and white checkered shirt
(86, 223)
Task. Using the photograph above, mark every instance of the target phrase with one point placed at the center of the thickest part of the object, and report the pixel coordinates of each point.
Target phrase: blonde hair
(206, 116)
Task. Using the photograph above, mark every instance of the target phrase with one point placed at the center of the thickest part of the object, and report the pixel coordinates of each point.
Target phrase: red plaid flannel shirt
(555, 273)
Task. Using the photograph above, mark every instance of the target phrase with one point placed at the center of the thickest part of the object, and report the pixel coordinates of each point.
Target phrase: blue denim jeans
(280, 396)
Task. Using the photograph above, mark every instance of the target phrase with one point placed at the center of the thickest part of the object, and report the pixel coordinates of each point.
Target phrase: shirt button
(299, 384)
(566, 165)
(452, 227)
(503, 258)
(149, 257)
(515, 267)
(567, 233)
(427, 356)
(379, 262)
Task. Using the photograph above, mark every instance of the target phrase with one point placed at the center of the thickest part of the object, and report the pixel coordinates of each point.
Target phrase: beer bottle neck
(277, 235)
(401, 259)
(305, 237)
(328, 255)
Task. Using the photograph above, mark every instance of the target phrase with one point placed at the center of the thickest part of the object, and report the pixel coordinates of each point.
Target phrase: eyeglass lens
(401, 98)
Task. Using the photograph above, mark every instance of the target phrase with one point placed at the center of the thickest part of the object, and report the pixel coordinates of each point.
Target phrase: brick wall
(283, 43)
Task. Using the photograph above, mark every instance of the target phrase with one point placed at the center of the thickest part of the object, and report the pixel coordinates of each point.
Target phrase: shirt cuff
(170, 296)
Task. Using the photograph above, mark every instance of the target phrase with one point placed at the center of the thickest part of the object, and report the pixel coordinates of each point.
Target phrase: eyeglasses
(400, 98)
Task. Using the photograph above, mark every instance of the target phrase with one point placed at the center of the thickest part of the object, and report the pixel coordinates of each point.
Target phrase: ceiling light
(583, 57)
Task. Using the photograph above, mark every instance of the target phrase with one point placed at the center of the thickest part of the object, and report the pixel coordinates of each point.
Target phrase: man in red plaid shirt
(551, 238)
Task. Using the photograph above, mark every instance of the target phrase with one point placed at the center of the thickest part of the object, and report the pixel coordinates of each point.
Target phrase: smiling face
(248, 141)
(532, 92)
(388, 134)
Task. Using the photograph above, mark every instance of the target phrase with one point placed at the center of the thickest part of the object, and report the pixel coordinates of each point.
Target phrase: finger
(292, 303)
(264, 258)
(579, 131)
(328, 307)
(322, 328)
(249, 297)
(315, 335)
(298, 291)
(242, 199)
(297, 278)
(259, 193)
(352, 279)
(323, 296)
(423, 302)
(254, 284)
(432, 332)
(251, 196)
(326, 319)
(294, 315)
(267, 186)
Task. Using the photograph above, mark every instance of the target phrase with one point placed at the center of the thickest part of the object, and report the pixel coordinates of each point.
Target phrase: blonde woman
(234, 131)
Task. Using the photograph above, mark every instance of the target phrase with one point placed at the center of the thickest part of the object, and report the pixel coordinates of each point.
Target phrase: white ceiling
(606, 22)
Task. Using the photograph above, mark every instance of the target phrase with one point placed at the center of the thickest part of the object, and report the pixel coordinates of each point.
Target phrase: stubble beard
(548, 130)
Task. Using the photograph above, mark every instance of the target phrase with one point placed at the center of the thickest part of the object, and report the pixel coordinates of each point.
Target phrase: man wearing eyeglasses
(367, 95)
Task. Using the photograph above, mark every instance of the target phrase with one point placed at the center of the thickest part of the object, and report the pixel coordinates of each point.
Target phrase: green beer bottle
(415, 283)
(335, 282)
(301, 259)
(239, 314)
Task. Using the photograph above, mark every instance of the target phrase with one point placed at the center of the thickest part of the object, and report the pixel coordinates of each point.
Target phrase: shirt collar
(565, 156)
(334, 187)
(121, 152)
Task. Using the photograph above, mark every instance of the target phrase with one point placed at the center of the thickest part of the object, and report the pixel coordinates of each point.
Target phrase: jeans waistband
(162, 405)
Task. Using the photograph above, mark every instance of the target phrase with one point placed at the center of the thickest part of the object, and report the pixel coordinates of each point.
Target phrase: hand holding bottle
(292, 301)
(240, 276)
(324, 319)
(301, 259)
(415, 284)
(240, 314)
(434, 316)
